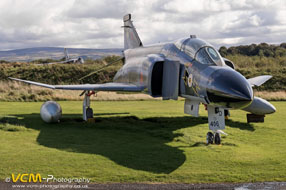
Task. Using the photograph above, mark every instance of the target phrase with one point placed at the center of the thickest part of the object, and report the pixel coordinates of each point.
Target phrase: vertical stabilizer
(66, 55)
(131, 38)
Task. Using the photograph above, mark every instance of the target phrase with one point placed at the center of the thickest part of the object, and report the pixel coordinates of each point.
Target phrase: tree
(223, 51)
(283, 45)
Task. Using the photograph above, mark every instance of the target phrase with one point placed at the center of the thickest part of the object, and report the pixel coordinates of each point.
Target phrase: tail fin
(66, 54)
(131, 38)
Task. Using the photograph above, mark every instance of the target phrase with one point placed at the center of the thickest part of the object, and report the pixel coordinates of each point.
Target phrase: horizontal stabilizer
(96, 87)
(258, 81)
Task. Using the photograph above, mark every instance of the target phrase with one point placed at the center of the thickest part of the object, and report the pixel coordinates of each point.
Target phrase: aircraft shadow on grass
(140, 144)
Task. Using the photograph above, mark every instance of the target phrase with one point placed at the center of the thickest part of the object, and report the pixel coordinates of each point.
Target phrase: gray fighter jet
(190, 68)
(78, 60)
(67, 59)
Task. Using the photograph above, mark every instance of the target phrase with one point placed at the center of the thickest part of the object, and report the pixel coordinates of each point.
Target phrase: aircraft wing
(52, 63)
(258, 81)
(96, 87)
(60, 62)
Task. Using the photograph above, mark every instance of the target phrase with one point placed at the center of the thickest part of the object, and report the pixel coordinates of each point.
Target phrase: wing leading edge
(258, 81)
(96, 87)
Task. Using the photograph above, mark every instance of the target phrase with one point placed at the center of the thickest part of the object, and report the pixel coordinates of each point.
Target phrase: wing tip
(33, 83)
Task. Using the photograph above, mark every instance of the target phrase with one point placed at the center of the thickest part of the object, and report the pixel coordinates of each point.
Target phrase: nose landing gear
(210, 138)
(217, 138)
(216, 122)
(213, 138)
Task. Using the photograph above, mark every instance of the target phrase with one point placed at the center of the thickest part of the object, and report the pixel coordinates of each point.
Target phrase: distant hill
(30, 54)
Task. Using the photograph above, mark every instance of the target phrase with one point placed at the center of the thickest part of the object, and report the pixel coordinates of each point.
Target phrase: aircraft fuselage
(212, 82)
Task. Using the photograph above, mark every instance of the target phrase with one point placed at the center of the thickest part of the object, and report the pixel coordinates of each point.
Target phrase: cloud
(99, 9)
(97, 24)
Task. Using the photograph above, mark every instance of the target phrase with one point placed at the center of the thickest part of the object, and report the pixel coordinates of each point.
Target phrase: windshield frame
(191, 47)
(218, 62)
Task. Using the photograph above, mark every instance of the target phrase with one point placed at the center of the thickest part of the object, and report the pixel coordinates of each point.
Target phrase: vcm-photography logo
(34, 178)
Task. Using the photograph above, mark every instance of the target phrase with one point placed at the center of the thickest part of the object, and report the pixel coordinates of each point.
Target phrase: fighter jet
(190, 68)
(78, 60)
(67, 59)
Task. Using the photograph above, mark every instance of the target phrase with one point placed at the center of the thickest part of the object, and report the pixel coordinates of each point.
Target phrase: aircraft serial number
(214, 124)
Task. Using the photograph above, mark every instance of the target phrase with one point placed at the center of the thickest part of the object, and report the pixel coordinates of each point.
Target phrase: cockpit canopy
(200, 50)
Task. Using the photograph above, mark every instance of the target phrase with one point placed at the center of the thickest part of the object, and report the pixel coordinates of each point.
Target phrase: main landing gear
(213, 138)
(87, 111)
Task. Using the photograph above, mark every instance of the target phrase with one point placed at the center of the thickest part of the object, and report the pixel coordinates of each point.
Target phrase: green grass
(140, 141)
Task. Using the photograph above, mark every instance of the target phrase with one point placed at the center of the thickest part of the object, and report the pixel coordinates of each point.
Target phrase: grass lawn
(140, 141)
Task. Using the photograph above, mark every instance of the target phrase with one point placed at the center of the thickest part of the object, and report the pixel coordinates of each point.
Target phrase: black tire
(226, 113)
(210, 138)
(89, 113)
(217, 138)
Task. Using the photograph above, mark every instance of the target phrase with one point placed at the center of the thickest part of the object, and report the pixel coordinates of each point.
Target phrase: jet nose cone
(229, 88)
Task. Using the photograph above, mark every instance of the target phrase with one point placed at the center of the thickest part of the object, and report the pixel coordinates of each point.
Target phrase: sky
(97, 23)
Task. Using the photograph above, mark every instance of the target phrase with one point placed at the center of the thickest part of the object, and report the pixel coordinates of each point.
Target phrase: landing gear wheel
(89, 113)
(217, 138)
(210, 138)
